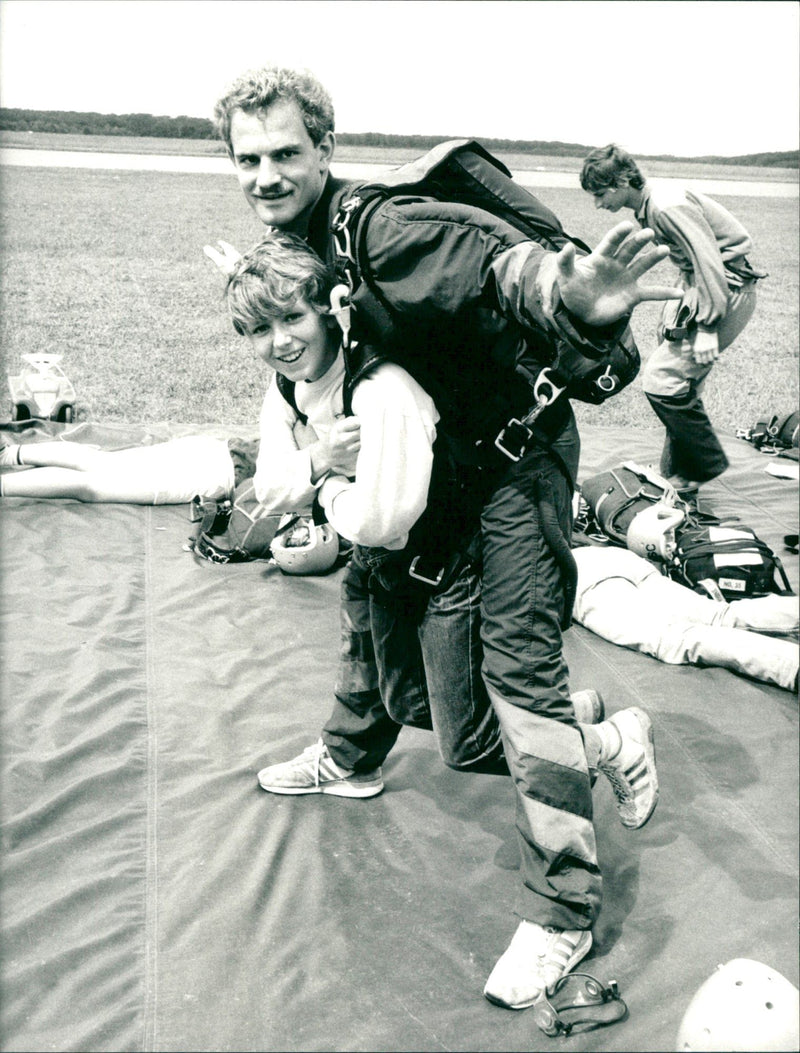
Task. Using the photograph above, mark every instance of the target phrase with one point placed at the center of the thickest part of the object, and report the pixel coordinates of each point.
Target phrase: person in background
(467, 286)
(163, 473)
(626, 599)
(710, 247)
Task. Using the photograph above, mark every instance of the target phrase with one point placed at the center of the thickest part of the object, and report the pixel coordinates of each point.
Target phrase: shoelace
(622, 788)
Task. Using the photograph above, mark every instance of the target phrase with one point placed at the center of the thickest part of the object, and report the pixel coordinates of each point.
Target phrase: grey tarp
(154, 898)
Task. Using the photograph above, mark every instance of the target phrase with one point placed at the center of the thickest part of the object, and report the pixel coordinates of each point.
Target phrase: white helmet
(743, 1006)
(302, 547)
(652, 531)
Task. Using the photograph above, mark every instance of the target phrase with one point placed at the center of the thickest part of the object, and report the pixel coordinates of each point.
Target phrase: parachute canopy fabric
(154, 898)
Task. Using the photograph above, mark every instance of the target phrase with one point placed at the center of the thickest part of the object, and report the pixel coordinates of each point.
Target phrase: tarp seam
(151, 815)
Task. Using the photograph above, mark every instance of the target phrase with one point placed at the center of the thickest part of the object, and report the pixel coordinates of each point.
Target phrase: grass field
(107, 269)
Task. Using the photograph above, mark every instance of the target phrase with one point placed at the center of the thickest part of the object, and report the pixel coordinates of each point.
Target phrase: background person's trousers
(673, 383)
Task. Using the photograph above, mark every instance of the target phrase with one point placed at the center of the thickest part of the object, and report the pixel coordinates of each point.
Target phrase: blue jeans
(409, 657)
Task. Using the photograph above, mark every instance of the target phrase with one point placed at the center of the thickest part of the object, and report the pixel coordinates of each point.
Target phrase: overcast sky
(684, 77)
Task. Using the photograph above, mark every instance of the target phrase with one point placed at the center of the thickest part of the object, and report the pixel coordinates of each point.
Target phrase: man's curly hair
(258, 89)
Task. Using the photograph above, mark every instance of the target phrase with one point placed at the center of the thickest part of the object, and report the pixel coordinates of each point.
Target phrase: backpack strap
(286, 388)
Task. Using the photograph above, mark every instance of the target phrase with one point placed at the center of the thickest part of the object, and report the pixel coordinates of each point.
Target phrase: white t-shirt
(376, 499)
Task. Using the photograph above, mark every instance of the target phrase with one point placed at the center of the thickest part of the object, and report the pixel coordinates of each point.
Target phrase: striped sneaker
(536, 957)
(315, 771)
(632, 770)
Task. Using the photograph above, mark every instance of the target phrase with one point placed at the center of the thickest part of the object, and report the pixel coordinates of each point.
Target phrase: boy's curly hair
(270, 278)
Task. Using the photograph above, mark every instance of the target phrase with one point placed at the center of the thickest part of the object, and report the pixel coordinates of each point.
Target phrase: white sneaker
(315, 771)
(632, 770)
(536, 957)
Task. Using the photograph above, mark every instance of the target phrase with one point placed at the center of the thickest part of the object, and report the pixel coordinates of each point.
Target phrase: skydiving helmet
(743, 1006)
(651, 533)
(301, 546)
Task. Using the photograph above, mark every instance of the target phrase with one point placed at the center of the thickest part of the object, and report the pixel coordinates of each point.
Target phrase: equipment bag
(233, 530)
(733, 559)
(773, 434)
(463, 172)
(617, 496)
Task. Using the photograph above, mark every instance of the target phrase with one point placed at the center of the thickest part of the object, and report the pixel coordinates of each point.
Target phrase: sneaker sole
(371, 789)
(578, 955)
(650, 753)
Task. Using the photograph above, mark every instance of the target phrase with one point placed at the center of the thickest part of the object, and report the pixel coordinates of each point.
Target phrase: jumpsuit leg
(527, 680)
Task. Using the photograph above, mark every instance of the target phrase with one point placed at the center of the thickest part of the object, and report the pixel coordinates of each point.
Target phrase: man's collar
(319, 223)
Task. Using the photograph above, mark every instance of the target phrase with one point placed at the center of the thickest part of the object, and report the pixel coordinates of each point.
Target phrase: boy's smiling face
(300, 343)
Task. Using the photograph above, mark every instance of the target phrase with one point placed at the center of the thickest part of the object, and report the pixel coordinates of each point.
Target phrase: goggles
(578, 1002)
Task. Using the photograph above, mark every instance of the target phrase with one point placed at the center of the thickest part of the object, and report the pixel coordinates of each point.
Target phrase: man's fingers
(633, 245)
(225, 260)
(645, 261)
(660, 292)
(613, 238)
(566, 261)
(229, 250)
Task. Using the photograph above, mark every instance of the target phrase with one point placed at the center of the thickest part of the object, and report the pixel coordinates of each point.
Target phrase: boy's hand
(344, 439)
(604, 286)
(338, 449)
(226, 260)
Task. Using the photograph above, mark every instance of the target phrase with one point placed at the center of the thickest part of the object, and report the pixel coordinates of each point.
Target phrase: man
(466, 285)
(710, 247)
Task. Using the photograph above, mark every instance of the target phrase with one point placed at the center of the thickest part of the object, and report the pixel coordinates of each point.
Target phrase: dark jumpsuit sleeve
(431, 259)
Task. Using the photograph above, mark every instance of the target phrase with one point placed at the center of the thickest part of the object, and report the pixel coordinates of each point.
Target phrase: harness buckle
(423, 576)
(676, 332)
(512, 439)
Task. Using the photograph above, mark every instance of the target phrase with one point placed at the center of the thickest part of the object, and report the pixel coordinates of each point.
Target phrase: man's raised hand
(604, 286)
(225, 258)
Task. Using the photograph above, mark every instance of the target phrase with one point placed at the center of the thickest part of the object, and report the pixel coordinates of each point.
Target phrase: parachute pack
(778, 433)
(632, 506)
(463, 172)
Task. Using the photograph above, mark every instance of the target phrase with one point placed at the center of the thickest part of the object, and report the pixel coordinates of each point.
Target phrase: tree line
(148, 125)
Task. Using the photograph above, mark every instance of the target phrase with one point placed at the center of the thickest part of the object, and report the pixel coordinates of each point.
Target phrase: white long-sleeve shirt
(377, 497)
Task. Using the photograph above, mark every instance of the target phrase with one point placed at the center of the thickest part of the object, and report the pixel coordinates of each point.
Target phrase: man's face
(280, 170)
(300, 343)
